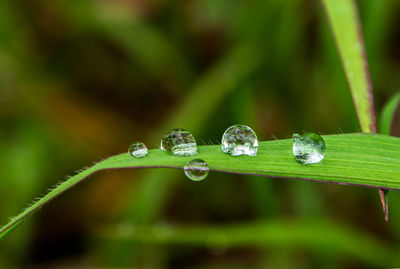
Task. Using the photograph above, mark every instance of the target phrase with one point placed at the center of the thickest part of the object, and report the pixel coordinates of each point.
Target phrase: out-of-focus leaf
(144, 43)
(388, 114)
(311, 235)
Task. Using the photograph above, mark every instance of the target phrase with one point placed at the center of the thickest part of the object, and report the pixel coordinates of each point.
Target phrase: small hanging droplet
(196, 169)
(138, 150)
(239, 140)
(179, 142)
(308, 148)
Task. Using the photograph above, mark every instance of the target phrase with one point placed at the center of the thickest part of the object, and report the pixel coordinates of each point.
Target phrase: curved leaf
(368, 160)
(388, 114)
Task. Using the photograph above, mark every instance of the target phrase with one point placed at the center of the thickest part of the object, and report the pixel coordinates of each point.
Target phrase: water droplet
(138, 150)
(179, 142)
(196, 169)
(308, 148)
(239, 140)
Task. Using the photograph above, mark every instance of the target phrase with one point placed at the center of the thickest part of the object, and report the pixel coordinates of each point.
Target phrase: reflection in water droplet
(138, 150)
(179, 142)
(196, 169)
(308, 148)
(239, 140)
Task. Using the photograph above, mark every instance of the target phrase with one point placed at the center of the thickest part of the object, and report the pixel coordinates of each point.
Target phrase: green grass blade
(346, 27)
(352, 159)
(388, 114)
(310, 235)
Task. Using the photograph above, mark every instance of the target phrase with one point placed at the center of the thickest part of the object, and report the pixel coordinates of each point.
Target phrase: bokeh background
(82, 79)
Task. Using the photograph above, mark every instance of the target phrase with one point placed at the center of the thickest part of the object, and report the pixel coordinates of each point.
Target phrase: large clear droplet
(179, 142)
(138, 150)
(239, 140)
(308, 148)
(196, 169)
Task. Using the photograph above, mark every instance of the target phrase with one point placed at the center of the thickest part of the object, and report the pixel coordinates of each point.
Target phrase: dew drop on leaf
(239, 140)
(138, 150)
(196, 169)
(179, 142)
(308, 148)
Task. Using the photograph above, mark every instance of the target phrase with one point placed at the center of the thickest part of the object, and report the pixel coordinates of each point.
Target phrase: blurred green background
(82, 79)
